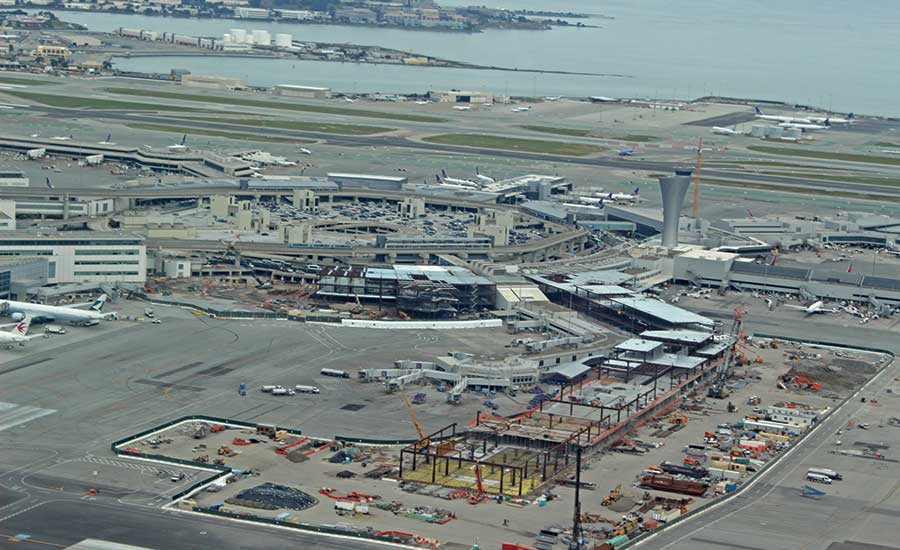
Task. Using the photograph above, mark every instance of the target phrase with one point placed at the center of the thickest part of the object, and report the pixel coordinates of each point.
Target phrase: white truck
(830, 474)
(270, 388)
(283, 391)
(299, 388)
(818, 478)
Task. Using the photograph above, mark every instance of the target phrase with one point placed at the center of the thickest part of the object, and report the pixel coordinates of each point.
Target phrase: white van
(818, 478)
(53, 329)
(306, 389)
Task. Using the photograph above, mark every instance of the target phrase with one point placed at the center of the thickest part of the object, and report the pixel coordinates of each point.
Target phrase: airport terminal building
(82, 256)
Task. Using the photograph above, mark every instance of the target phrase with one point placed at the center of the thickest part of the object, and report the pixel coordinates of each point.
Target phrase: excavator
(613, 495)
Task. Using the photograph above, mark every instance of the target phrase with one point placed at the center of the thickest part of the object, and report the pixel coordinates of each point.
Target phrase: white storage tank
(283, 40)
(774, 132)
(758, 131)
(262, 38)
(238, 36)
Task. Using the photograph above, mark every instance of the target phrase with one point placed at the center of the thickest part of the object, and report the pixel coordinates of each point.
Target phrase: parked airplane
(725, 131)
(422, 102)
(806, 127)
(552, 98)
(521, 109)
(349, 100)
(305, 151)
(456, 181)
(179, 146)
(781, 118)
(18, 335)
(815, 307)
(482, 178)
(591, 200)
(625, 197)
(62, 138)
(80, 314)
(627, 152)
(462, 108)
(832, 120)
(106, 141)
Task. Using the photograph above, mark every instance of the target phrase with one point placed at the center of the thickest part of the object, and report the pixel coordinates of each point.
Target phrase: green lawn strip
(802, 190)
(69, 102)
(826, 155)
(516, 144)
(213, 133)
(26, 81)
(325, 127)
(873, 180)
(272, 105)
(574, 132)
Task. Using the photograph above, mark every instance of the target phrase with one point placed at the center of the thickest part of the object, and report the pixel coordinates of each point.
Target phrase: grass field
(238, 101)
(26, 81)
(638, 138)
(802, 190)
(343, 129)
(825, 155)
(69, 102)
(574, 132)
(516, 144)
(213, 133)
(885, 144)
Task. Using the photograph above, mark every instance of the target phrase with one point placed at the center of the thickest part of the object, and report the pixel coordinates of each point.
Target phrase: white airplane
(482, 178)
(725, 131)
(106, 141)
(305, 151)
(815, 307)
(806, 127)
(422, 102)
(602, 99)
(179, 146)
(625, 197)
(552, 98)
(349, 100)
(520, 109)
(62, 138)
(591, 200)
(454, 181)
(462, 108)
(781, 118)
(832, 120)
(80, 314)
(18, 335)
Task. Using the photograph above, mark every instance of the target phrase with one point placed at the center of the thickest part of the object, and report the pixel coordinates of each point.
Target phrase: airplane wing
(791, 306)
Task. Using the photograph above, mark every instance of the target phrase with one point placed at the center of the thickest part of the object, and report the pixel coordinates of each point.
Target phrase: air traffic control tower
(673, 190)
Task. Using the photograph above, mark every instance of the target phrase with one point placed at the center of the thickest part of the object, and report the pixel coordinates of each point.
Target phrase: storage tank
(238, 36)
(262, 38)
(792, 133)
(283, 40)
(758, 131)
(673, 189)
(774, 132)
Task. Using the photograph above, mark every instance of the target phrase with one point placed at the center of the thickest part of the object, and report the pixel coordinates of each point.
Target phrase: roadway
(858, 513)
(387, 140)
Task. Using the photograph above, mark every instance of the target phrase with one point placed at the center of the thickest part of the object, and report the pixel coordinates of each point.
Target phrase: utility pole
(576, 520)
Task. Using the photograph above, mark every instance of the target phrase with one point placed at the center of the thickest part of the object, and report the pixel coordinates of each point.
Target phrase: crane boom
(696, 208)
(415, 420)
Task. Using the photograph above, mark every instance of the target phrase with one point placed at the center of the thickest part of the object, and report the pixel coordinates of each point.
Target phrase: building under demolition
(423, 290)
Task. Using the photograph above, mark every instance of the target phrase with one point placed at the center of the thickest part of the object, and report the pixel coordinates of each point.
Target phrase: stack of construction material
(270, 496)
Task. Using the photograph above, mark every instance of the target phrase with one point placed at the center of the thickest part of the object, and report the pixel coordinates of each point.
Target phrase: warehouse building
(305, 92)
(368, 181)
(82, 256)
(456, 96)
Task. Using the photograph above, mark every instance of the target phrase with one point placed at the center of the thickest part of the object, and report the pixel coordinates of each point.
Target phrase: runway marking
(27, 364)
(170, 385)
(12, 415)
(179, 369)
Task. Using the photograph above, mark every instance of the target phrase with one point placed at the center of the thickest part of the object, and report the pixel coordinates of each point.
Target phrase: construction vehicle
(479, 495)
(419, 398)
(423, 440)
(266, 429)
(217, 428)
(225, 450)
(718, 389)
(403, 315)
(613, 495)
(627, 526)
(678, 418)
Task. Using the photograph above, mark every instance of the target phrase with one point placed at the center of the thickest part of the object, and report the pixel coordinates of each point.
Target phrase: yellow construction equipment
(423, 441)
(613, 495)
(678, 418)
(626, 527)
(225, 450)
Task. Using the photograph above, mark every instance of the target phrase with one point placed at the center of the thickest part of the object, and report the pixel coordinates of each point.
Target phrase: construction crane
(613, 495)
(718, 390)
(696, 208)
(423, 440)
(479, 484)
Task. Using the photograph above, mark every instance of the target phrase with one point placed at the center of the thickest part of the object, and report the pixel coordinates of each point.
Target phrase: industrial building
(212, 82)
(368, 181)
(18, 275)
(456, 96)
(305, 92)
(426, 290)
(12, 177)
(82, 256)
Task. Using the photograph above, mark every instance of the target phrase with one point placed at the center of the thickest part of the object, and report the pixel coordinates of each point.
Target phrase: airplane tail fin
(437, 178)
(850, 269)
(637, 191)
(49, 183)
(23, 325)
(827, 122)
(99, 302)
(600, 204)
(757, 110)
(851, 116)
(183, 139)
(749, 214)
(443, 172)
(108, 137)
